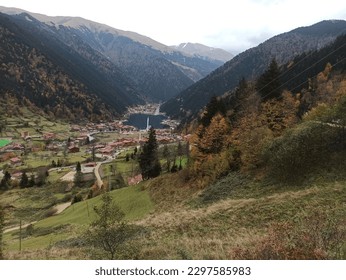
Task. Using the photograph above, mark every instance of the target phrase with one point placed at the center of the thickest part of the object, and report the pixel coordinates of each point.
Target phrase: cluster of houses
(84, 136)
(10, 151)
(92, 128)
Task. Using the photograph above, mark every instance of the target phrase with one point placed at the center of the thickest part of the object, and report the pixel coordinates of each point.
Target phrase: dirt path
(69, 177)
(99, 180)
(18, 227)
(59, 208)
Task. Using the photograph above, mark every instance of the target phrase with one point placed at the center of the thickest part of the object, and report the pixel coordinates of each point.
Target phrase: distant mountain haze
(251, 63)
(157, 71)
(204, 52)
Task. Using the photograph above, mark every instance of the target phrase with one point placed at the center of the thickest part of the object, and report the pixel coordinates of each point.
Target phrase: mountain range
(204, 52)
(158, 72)
(73, 67)
(252, 63)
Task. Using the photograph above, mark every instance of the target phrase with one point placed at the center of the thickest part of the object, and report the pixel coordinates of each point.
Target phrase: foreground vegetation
(265, 178)
(259, 220)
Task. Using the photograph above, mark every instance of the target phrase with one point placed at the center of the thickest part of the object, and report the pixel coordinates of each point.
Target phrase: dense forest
(287, 123)
(38, 68)
(284, 48)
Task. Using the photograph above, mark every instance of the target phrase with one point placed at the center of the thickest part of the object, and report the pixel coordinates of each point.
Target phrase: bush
(315, 237)
(66, 198)
(302, 150)
(29, 230)
(48, 213)
(76, 198)
(118, 181)
(223, 188)
(109, 233)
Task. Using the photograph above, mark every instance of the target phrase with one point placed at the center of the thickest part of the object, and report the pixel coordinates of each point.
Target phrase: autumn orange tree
(259, 123)
(209, 149)
(280, 114)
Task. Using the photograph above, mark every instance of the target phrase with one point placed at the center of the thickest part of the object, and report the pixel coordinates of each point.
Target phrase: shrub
(76, 198)
(224, 187)
(300, 151)
(109, 233)
(315, 237)
(48, 213)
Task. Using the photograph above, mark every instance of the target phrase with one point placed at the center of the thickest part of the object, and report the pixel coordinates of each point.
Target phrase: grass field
(134, 201)
(4, 142)
(182, 225)
(215, 230)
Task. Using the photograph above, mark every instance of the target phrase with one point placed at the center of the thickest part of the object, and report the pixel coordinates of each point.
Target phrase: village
(57, 147)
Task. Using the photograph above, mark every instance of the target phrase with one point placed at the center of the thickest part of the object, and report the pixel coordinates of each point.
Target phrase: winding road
(99, 181)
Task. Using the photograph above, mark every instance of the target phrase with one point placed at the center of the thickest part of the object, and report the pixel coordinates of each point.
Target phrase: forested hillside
(37, 67)
(287, 123)
(252, 63)
(157, 72)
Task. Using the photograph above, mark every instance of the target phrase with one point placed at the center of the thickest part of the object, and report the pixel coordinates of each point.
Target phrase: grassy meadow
(181, 224)
(134, 201)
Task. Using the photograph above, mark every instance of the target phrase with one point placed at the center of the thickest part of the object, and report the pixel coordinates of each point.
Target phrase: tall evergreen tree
(24, 180)
(5, 181)
(78, 177)
(268, 84)
(213, 107)
(31, 182)
(149, 160)
(78, 167)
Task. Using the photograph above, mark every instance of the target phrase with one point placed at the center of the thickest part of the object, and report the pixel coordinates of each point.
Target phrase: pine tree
(24, 180)
(268, 84)
(213, 107)
(78, 167)
(149, 161)
(31, 182)
(5, 181)
(78, 177)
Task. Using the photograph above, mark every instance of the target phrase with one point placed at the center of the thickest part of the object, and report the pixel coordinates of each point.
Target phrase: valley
(183, 152)
(35, 145)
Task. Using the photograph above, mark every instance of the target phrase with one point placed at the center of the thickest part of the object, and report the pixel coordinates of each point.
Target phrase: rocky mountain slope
(252, 63)
(204, 52)
(158, 71)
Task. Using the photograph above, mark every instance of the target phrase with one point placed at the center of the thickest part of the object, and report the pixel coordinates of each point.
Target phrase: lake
(140, 121)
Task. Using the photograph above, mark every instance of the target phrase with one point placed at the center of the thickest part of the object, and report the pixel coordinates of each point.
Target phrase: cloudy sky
(229, 24)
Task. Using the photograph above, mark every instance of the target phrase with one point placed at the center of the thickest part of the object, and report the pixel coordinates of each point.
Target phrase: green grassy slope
(71, 222)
